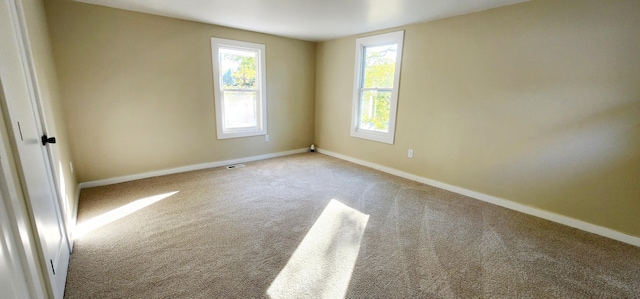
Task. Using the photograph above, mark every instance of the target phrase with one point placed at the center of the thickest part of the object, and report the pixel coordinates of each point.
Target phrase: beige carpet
(310, 225)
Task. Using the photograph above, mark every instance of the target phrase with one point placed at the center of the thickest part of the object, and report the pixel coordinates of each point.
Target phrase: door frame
(12, 278)
(32, 269)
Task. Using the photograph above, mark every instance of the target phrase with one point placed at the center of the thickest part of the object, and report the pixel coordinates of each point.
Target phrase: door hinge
(52, 268)
(20, 130)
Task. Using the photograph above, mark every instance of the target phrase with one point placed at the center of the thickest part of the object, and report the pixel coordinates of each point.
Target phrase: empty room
(320, 149)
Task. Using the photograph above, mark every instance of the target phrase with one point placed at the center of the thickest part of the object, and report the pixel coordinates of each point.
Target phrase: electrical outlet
(410, 153)
(266, 138)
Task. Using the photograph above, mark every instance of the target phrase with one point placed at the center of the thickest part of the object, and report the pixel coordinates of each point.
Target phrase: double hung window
(375, 98)
(239, 85)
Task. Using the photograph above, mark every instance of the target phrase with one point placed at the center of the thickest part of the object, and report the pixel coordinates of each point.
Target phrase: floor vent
(234, 166)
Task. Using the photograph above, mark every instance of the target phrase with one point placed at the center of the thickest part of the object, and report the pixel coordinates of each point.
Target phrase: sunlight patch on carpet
(322, 265)
(118, 213)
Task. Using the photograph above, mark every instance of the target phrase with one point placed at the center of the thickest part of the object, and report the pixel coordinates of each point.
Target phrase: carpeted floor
(310, 225)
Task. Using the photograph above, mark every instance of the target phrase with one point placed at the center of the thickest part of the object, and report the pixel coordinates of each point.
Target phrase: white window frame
(372, 41)
(261, 128)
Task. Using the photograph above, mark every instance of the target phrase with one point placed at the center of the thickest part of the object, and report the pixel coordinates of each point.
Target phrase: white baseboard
(145, 175)
(74, 218)
(572, 222)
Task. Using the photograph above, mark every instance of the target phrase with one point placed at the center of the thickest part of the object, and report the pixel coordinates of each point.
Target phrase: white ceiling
(312, 20)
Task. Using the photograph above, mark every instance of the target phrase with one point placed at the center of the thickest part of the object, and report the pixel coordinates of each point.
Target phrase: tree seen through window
(239, 87)
(377, 85)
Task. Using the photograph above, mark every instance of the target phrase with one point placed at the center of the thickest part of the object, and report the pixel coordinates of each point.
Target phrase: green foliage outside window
(378, 73)
(240, 71)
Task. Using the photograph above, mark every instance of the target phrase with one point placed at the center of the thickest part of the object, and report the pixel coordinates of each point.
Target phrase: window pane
(240, 109)
(375, 106)
(238, 68)
(379, 66)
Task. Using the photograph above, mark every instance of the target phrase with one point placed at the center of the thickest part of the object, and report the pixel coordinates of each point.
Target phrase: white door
(30, 154)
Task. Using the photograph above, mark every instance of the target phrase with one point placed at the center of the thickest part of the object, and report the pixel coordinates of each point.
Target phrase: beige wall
(138, 93)
(54, 120)
(538, 103)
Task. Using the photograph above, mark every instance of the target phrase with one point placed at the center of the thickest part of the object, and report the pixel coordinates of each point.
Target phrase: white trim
(568, 221)
(145, 175)
(74, 219)
(12, 272)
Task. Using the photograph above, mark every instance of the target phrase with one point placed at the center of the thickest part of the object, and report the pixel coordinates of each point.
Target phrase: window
(240, 89)
(375, 98)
